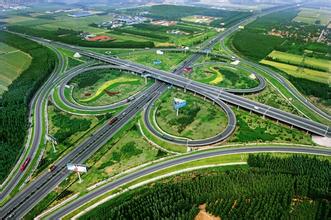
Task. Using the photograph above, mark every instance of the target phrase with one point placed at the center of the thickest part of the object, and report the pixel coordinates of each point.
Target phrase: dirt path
(203, 215)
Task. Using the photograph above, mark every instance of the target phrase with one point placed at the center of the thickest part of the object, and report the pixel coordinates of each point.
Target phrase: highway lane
(180, 160)
(39, 188)
(35, 118)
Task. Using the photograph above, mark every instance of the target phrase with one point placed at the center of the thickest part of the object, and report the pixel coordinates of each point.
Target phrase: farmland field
(12, 63)
(105, 87)
(198, 120)
(297, 60)
(305, 73)
(313, 16)
(223, 76)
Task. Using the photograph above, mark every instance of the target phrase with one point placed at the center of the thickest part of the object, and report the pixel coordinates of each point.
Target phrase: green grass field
(305, 73)
(199, 119)
(313, 16)
(223, 76)
(169, 60)
(12, 63)
(105, 87)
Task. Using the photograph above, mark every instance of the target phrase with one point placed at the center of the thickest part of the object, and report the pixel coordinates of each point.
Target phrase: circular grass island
(103, 87)
(199, 119)
(224, 75)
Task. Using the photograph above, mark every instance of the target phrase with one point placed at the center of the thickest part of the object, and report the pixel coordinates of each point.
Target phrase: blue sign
(157, 62)
(179, 103)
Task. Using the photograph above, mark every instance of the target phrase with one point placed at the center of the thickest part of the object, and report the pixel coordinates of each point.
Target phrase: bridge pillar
(185, 89)
(291, 126)
(204, 98)
(238, 107)
(250, 112)
(263, 116)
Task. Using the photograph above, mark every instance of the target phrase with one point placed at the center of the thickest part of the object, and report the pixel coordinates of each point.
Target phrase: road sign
(77, 168)
(179, 103)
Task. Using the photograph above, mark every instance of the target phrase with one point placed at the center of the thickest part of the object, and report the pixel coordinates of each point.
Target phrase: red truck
(112, 120)
(26, 162)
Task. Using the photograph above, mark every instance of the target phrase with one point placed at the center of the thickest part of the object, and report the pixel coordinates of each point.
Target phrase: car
(256, 107)
(24, 165)
(51, 168)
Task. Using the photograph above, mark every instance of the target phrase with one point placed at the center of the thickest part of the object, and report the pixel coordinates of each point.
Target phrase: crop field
(198, 120)
(313, 16)
(176, 12)
(223, 76)
(105, 86)
(167, 61)
(297, 60)
(305, 73)
(61, 27)
(12, 63)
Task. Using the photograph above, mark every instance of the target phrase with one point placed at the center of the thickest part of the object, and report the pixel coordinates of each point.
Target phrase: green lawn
(12, 63)
(106, 86)
(199, 119)
(223, 76)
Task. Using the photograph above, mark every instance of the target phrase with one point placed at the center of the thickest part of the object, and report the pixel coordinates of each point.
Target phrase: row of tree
(14, 104)
(267, 190)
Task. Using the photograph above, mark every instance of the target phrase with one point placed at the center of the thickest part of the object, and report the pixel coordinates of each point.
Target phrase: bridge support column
(194, 93)
(277, 122)
(238, 107)
(204, 98)
(250, 112)
(185, 89)
(291, 126)
(263, 116)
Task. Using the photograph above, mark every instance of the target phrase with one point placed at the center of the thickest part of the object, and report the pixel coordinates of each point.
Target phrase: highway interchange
(21, 203)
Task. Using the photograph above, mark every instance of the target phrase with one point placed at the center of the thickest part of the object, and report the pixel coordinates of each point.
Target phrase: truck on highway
(112, 120)
(131, 98)
(26, 162)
